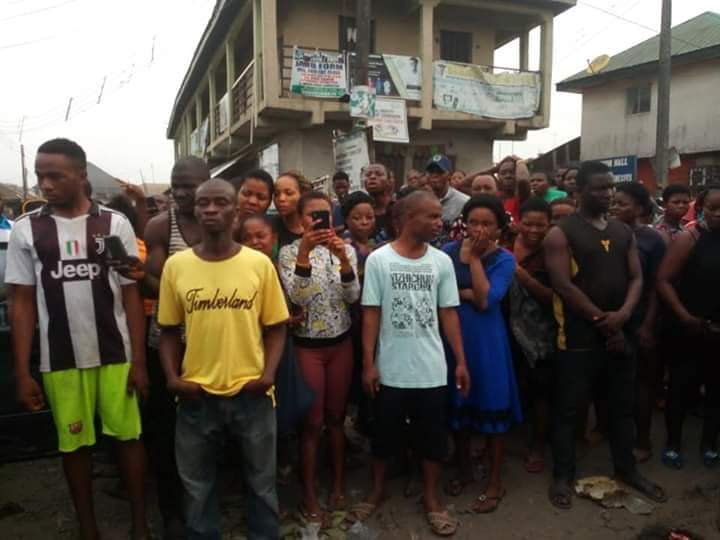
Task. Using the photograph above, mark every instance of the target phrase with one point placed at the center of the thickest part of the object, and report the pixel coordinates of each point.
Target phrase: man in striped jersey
(91, 328)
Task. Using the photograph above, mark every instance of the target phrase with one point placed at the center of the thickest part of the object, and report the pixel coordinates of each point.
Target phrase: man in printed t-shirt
(92, 328)
(410, 290)
(230, 300)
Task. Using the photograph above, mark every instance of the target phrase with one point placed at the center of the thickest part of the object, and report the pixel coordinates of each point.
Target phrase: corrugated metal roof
(702, 32)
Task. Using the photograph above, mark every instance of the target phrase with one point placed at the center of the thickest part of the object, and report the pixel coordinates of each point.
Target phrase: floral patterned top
(324, 293)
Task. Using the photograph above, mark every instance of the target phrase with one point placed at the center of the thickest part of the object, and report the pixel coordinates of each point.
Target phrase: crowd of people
(455, 307)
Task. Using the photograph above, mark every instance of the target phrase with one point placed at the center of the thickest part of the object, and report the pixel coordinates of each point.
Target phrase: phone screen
(115, 249)
(323, 216)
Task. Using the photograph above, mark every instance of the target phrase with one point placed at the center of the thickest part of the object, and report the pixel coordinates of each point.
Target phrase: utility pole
(24, 171)
(362, 45)
(663, 112)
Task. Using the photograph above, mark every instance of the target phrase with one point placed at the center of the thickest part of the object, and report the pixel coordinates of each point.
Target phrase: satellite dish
(597, 65)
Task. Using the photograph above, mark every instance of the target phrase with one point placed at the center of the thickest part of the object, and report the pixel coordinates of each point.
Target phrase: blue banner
(624, 168)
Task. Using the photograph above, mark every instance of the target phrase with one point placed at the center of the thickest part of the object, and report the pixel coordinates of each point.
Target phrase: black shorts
(421, 411)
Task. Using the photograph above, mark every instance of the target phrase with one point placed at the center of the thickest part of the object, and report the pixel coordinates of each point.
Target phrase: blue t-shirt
(409, 292)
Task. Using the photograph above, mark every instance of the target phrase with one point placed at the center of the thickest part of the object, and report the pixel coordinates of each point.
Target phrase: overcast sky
(52, 50)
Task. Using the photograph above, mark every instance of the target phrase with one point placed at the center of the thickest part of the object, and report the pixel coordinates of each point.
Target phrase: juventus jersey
(79, 299)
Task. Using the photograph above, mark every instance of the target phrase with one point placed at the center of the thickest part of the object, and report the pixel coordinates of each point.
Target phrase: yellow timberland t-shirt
(224, 306)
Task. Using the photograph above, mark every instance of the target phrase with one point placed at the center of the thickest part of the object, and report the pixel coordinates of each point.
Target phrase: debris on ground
(611, 494)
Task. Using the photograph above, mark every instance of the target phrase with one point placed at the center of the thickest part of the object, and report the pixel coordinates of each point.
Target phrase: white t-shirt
(79, 298)
(409, 292)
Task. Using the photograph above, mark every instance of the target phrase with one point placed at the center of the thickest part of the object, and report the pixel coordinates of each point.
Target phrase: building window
(456, 46)
(639, 99)
(348, 34)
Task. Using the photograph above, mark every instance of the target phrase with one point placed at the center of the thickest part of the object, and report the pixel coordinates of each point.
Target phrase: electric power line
(640, 25)
(33, 12)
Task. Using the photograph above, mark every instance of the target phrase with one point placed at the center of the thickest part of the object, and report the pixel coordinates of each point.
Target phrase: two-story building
(237, 99)
(620, 104)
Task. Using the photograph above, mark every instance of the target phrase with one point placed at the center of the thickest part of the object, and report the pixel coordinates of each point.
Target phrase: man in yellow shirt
(230, 300)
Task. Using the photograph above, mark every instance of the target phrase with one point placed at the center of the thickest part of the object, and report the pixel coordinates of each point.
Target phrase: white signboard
(351, 156)
(406, 75)
(316, 73)
(390, 122)
(471, 89)
(362, 102)
(223, 113)
(269, 160)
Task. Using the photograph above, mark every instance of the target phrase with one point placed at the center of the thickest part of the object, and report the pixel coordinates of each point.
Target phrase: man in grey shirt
(439, 169)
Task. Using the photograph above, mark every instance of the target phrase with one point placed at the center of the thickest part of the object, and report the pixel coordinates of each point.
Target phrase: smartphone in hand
(323, 216)
(115, 249)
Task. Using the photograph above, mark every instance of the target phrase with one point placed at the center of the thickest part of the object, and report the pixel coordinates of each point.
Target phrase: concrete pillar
(198, 110)
(525, 50)
(213, 102)
(270, 63)
(427, 39)
(230, 70)
(546, 64)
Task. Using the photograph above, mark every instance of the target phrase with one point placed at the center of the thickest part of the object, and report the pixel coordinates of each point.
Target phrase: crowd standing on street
(252, 312)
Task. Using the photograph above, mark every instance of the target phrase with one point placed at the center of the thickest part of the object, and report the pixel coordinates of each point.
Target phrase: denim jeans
(250, 419)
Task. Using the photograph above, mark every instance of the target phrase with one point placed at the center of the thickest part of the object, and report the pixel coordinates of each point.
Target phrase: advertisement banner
(316, 73)
(624, 168)
(471, 89)
(362, 102)
(390, 122)
(393, 76)
(351, 156)
(406, 74)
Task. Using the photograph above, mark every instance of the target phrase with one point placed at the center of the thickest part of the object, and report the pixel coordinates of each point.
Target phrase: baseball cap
(441, 162)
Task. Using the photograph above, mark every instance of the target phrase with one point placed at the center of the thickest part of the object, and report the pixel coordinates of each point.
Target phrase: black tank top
(699, 281)
(599, 268)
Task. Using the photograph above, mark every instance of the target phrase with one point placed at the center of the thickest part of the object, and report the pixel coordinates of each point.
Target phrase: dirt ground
(35, 505)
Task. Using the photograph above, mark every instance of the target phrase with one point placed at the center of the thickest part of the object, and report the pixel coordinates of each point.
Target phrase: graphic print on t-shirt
(413, 306)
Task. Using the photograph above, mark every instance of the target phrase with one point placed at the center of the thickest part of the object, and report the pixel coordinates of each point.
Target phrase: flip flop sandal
(487, 505)
(646, 487)
(361, 511)
(535, 465)
(314, 517)
(672, 459)
(442, 524)
(336, 503)
(560, 495)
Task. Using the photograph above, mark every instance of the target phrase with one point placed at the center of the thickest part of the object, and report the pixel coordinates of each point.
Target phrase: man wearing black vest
(595, 271)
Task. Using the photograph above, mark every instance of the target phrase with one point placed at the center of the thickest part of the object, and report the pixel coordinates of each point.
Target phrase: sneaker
(672, 459)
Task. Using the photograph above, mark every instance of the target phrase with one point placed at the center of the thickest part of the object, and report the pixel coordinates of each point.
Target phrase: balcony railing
(492, 92)
(243, 92)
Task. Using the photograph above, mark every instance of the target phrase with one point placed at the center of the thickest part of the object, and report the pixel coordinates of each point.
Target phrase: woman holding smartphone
(319, 273)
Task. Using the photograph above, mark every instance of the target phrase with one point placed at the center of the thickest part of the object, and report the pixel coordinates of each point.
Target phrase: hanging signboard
(316, 73)
(269, 160)
(406, 74)
(362, 102)
(393, 76)
(351, 156)
(470, 89)
(223, 113)
(624, 168)
(390, 122)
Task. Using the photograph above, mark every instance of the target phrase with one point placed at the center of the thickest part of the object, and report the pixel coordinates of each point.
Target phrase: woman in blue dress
(484, 272)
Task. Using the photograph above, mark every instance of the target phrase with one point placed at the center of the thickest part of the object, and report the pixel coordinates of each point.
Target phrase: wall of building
(607, 130)
(311, 152)
(396, 30)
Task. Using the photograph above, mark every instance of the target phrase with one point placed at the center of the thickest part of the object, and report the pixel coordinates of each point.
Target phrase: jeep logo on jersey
(76, 270)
